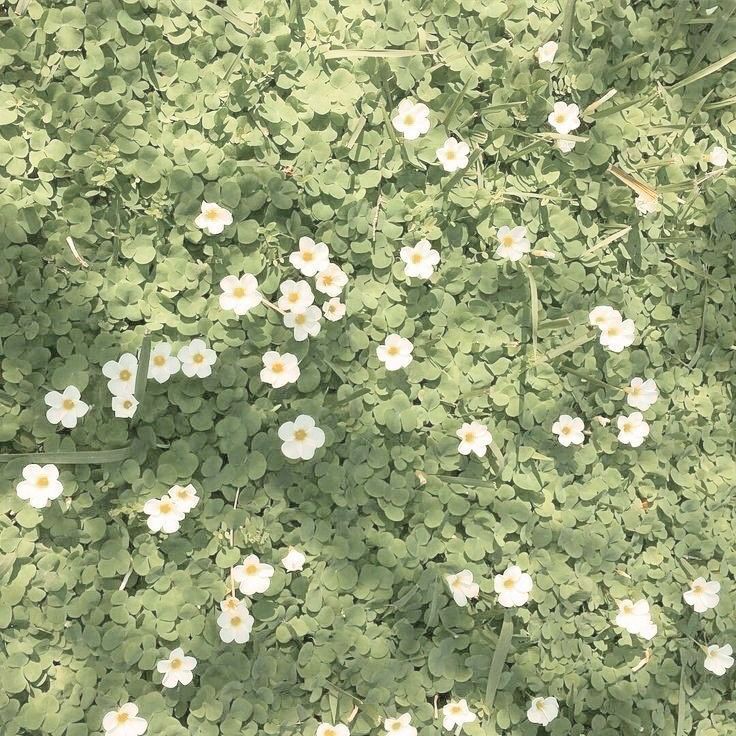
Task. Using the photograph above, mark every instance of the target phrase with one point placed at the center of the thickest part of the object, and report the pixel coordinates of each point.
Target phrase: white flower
(456, 714)
(603, 316)
(564, 145)
(124, 405)
(177, 669)
(702, 595)
(718, 659)
(253, 576)
(646, 204)
(331, 280)
(412, 119)
(513, 243)
(420, 260)
(162, 364)
(294, 560)
(636, 618)
(124, 721)
(453, 155)
(569, 430)
(311, 258)
(543, 710)
(65, 408)
(197, 359)
(185, 497)
(232, 604)
(163, 515)
(633, 430)
(334, 309)
(546, 53)
(400, 726)
(121, 374)
(240, 293)
(718, 156)
(642, 394)
(564, 118)
(40, 485)
(513, 587)
(296, 296)
(235, 625)
(618, 335)
(301, 438)
(327, 729)
(474, 437)
(278, 369)
(213, 218)
(462, 587)
(395, 353)
(305, 324)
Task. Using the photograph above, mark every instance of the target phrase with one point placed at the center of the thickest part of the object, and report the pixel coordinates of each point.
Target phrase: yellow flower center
(165, 508)
(566, 429)
(627, 427)
(307, 255)
(450, 155)
(509, 583)
(238, 292)
(198, 358)
(300, 435)
(456, 710)
(396, 726)
(540, 704)
(42, 481)
(236, 620)
(327, 280)
(175, 664)
(159, 360)
(212, 214)
(127, 404)
(299, 319)
(122, 717)
(560, 118)
(469, 437)
(507, 240)
(392, 350)
(277, 367)
(698, 588)
(614, 331)
(68, 404)
(125, 375)
(251, 569)
(294, 297)
(416, 258)
(408, 119)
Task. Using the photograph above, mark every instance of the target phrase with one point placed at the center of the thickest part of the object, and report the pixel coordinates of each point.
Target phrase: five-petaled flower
(294, 560)
(412, 119)
(177, 668)
(642, 394)
(456, 714)
(453, 154)
(301, 438)
(162, 364)
(474, 437)
(633, 430)
(197, 359)
(122, 373)
(213, 219)
(703, 595)
(513, 587)
(65, 408)
(546, 52)
(311, 257)
(279, 369)
(124, 721)
(399, 726)
(240, 293)
(513, 243)
(395, 353)
(296, 296)
(305, 324)
(331, 280)
(419, 260)
(462, 587)
(543, 710)
(164, 515)
(40, 485)
(569, 430)
(564, 118)
(718, 659)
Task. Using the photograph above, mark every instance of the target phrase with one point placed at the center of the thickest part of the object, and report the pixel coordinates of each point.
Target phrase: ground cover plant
(367, 367)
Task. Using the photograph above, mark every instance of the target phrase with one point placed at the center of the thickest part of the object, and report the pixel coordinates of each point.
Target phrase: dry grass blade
(703, 73)
(373, 53)
(597, 103)
(638, 186)
(607, 241)
(75, 253)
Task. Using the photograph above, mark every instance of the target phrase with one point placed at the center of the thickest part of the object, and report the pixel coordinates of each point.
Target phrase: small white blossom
(122, 374)
(564, 118)
(513, 243)
(456, 714)
(296, 296)
(235, 625)
(395, 353)
(213, 219)
(301, 438)
(636, 618)
(305, 324)
(718, 659)
(124, 721)
(618, 335)
(633, 430)
(311, 258)
(327, 729)
(474, 437)
(564, 145)
(646, 204)
(420, 260)
(603, 316)
(124, 405)
(334, 309)
(453, 154)
(162, 364)
(718, 156)
(65, 408)
(240, 294)
(40, 485)
(569, 430)
(462, 587)
(412, 119)
(513, 587)
(331, 280)
(279, 369)
(177, 669)
(294, 560)
(163, 515)
(400, 726)
(543, 711)
(253, 576)
(702, 595)
(197, 359)
(546, 52)
(642, 394)
(185, 497)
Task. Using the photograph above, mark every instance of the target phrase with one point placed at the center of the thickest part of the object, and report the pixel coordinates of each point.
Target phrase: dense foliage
(117, 119)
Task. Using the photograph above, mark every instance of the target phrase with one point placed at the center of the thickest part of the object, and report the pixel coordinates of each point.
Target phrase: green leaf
(78, 457)
(499, 657)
